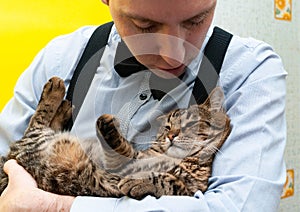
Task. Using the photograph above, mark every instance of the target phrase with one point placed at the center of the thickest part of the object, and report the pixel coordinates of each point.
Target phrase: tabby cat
(179, 162)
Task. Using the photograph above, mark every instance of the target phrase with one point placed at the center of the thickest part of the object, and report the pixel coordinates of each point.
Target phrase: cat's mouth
(177, 142)
(180, 143)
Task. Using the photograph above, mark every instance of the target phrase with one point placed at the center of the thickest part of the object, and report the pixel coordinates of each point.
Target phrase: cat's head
(185, 132)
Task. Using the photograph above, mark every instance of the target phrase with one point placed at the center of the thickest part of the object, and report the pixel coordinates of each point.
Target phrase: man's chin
(169, 73)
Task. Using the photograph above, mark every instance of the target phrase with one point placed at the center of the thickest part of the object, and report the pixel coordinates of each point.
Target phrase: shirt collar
(126, 64)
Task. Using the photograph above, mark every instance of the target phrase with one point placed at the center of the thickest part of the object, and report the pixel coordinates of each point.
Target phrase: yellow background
(27, 26)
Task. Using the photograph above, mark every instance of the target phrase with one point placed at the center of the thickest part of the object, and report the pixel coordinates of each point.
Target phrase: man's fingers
(17, 174)
(10, 167)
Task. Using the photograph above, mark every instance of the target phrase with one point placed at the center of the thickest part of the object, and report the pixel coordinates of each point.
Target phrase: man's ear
(105, 2)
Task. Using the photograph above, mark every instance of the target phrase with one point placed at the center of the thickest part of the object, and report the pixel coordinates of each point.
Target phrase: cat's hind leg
(3, 175)
(51, 98)
(152, 183)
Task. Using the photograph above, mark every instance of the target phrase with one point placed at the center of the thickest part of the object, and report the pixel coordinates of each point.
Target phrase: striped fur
(179, 162)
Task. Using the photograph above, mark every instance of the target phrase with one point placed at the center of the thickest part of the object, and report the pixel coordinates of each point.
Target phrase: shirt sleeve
(249, 170)
(16, 114)
(55, 59)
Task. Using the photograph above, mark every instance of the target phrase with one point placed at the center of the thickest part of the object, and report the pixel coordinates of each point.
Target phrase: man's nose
(171, 47)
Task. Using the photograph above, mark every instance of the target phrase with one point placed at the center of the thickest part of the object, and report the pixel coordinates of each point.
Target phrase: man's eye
(143, 26)
(145, 29)
(196, 21)
(193, 24)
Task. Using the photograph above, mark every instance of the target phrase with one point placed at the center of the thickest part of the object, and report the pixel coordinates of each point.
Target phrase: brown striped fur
(179, 162)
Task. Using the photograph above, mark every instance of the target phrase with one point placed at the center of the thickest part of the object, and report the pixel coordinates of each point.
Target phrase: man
(248, 172)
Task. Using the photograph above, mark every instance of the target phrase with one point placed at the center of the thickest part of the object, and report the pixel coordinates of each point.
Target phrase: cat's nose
(171, 137)
(173, 134)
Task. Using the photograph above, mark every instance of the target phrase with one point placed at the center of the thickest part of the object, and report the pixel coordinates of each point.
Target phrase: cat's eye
(191, 124)
(179, 113)
(168, 128)
(202, 134)
(208, 124)
(176, 115)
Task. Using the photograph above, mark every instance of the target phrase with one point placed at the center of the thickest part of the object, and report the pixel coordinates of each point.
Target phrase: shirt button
(143, 96)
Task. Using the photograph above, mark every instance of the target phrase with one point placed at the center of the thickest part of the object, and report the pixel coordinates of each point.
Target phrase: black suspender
(86, 69)
(208, 74)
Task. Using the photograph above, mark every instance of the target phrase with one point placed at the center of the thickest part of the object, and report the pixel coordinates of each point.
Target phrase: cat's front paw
(107, 126)
(54, 91)
(137, 188)
(51, 98)
(62, 116)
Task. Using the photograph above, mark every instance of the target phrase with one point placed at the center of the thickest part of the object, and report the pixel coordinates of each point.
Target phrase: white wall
(255, 18)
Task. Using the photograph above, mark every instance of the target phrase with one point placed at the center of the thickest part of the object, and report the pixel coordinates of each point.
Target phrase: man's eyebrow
(137, 17)
(143, 19)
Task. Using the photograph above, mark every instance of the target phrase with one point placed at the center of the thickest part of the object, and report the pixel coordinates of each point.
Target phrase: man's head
(170, 30)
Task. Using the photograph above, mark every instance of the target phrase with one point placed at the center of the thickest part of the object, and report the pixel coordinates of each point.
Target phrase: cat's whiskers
(213, 149)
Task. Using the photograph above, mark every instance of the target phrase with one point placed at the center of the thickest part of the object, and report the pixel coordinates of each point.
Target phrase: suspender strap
(211, 64)
(207, 79)
(86, 68)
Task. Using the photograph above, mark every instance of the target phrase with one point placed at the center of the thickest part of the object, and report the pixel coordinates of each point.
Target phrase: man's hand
(22, 193)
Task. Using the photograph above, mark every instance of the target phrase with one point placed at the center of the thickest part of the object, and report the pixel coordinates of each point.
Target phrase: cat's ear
(161, 118)
(215, 99)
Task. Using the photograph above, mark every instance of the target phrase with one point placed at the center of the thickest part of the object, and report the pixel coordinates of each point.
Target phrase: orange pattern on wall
(283, 10)
(288, 189)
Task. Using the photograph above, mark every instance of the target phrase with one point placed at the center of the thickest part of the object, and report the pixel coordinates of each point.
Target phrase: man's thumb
(10, 166)
(17, 174)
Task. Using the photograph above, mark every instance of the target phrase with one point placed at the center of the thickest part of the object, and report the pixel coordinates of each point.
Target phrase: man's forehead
(165, 10)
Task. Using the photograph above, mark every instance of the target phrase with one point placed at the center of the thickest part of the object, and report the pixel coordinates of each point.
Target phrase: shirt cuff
(92, 204)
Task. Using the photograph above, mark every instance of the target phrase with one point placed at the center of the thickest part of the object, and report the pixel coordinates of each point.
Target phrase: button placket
(129, 109)
(143, 96)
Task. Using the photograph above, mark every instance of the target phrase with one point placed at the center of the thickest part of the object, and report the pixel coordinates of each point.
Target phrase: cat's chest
(131, 101)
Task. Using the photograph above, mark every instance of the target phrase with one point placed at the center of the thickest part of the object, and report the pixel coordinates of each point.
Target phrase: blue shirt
(248, 171)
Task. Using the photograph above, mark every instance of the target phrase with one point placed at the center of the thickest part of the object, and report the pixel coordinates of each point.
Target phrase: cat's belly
(154, 164)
